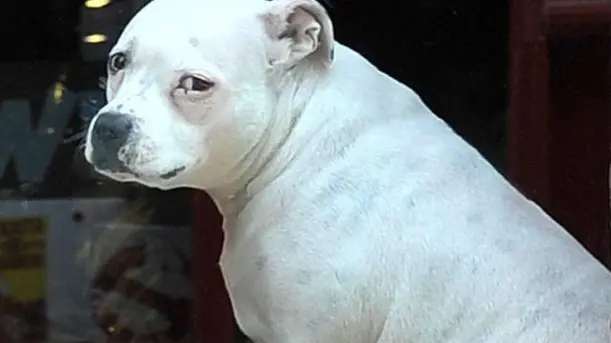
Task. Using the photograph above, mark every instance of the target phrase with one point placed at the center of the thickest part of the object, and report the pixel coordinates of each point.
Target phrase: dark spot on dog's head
(193, 41)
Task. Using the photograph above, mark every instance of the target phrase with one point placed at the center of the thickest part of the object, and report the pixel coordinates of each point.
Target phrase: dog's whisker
(89, 106)
(75, 137)
(102, 82)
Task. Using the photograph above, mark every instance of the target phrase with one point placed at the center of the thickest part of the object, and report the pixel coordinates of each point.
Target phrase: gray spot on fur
(505, 245)
(260, 262)
(303, 277)
(475, 218)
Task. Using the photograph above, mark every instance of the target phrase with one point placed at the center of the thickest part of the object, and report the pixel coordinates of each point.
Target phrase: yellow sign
(22, 257)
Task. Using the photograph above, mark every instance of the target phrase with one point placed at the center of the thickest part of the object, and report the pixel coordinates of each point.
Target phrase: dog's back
(387, 222)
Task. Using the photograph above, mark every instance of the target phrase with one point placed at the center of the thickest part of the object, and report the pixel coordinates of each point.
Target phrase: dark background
(453, 53)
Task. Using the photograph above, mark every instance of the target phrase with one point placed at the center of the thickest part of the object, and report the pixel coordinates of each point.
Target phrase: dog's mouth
(124, 163)
(110, 166)
(127, 174)
(119, 175)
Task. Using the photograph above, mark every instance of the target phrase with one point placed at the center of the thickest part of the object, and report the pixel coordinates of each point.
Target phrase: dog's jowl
(352, 213)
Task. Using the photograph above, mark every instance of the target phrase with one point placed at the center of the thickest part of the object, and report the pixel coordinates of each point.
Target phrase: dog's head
(193, 87)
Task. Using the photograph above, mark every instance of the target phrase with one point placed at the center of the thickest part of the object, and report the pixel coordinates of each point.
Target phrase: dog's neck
(288, 133)
(313, 106)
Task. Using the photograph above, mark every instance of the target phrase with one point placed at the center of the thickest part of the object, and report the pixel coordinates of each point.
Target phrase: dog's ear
(299, 29)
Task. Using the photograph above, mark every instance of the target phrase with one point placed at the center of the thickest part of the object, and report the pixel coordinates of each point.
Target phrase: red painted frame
(213, 315)
(585, 13)
(558, 122)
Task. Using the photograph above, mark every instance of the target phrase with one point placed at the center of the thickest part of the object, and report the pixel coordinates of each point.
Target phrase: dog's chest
(269, 299)
(281, 284)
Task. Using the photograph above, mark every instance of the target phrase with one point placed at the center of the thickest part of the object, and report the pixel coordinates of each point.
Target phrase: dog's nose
(109, 133)
(111, 129)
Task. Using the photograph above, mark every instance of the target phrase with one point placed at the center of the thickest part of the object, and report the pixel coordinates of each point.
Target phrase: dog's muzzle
(109, 134)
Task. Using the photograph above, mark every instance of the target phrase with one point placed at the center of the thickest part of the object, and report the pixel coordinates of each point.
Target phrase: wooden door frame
(212, 312)
(559, 107)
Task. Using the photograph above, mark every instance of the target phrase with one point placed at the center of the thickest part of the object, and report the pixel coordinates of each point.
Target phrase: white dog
(352, 213)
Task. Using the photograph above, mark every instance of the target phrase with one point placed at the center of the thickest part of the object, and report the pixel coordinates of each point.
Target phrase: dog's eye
(190, 83)
(117, 62)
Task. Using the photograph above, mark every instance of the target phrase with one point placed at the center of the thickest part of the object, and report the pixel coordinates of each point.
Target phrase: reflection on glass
(82, 258)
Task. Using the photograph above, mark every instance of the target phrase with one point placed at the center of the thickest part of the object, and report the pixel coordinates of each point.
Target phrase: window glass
(82, 258)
